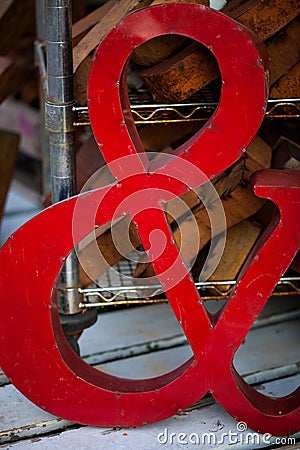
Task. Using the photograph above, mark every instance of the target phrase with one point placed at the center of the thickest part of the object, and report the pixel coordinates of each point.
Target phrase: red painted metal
(33, 351)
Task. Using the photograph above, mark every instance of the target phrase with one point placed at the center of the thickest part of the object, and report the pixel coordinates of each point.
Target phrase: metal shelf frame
(193, 110)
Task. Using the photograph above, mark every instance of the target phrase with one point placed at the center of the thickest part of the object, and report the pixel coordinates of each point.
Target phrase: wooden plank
(154, 328)
(210, 419)
(259, 156)
(157, 49)
(286, 154)
(79, 31)
(290, 447)
(257, 354)
(103, 20)
(264, 17)
(265, 348)
(12, 75)
(92, 39)
(179, 76)
(240, 239)
(82, 51)
(20, 418)
(16, 17)
(81, 81)
(8, 153)
(82, 26)
(134, 321)
(296, 263)
(241, 204)
(148, 53)
(284, 50)
(135, 326)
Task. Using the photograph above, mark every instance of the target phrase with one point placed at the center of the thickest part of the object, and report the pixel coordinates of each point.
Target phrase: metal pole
(59, 124)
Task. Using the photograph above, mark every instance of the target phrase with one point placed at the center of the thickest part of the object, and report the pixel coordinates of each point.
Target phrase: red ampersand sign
(33, 351)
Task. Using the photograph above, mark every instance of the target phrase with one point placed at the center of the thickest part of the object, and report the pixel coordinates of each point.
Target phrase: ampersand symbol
(33, 351)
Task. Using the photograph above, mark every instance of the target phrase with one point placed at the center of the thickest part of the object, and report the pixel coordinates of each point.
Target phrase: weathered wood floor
(269, 358)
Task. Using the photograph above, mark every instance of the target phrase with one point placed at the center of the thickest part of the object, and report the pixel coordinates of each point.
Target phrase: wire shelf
(199, 108)
(117, 287)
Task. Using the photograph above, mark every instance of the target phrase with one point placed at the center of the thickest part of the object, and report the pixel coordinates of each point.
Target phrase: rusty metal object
(156, 50)
(77, 391)
(263, 17)
(183, 74)
(178, 77)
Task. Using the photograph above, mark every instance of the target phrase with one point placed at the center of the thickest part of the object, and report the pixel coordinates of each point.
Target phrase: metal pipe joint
(59, 120)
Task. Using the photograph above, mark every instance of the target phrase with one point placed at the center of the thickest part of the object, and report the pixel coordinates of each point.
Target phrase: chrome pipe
(59, 124)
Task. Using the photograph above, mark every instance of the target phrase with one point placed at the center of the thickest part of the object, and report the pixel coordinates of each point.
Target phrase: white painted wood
(140, 330)
(267, 347)
(149, 365)
(21, 418)
(130, 331)
(210, 424)
(20, 199)
(264, 349)
(121, 329)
